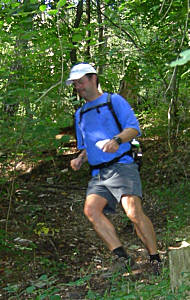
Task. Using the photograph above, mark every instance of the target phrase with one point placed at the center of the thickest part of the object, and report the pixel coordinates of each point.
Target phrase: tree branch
(123, 30)
(167, 11)
(46, 92)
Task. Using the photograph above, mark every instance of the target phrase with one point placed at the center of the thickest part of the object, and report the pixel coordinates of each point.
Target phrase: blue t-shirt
(99, 124)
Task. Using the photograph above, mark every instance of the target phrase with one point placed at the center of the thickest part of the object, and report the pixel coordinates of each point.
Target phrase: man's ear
(94, 77)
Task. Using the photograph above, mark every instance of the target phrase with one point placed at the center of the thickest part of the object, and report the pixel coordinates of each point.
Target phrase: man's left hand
(111, 147)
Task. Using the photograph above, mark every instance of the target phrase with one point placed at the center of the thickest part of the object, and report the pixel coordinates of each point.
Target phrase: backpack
(135, 151)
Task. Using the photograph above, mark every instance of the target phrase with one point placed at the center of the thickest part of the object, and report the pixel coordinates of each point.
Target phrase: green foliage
(30, 136)
(36, 54)
(80, 281)
(184, 58)
(38, 44)
(178, 210)
(42, 288)
(8, 245)
(156, 289)
(43, 229)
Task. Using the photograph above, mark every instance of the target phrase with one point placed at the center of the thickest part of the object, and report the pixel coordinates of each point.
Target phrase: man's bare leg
(93, 210)
(143, 225)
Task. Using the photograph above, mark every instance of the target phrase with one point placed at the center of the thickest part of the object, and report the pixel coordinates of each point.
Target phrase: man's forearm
(125, 136)
(128, 134)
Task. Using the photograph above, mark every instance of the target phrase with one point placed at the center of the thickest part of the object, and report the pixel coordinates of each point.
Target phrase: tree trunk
(179, 261)
(88, 31)
(73, 53)
(129, 85)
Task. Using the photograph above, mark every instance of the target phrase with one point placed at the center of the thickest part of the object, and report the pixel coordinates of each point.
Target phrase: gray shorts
(115, 181)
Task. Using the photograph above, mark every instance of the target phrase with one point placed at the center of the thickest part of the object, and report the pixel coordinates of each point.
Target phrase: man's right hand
(76, 163)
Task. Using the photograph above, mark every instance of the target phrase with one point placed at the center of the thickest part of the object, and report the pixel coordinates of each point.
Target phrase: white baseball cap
(79, 71)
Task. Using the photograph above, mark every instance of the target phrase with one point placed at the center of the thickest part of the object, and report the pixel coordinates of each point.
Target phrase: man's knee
(133, 208)
(93, 207)
(134, 216)
(89, 211)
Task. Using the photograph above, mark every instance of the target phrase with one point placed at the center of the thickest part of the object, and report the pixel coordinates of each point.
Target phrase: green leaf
(186, 54)
(42, 7)
(30, 289)
(77, 38)
(178, 62)
(43, 277)
(185, 57)
(61, 3)
(80, 281)
(14, 5)
(70, 6)
(155, 7)
(55, 297)
(41, 297)
(53, 12)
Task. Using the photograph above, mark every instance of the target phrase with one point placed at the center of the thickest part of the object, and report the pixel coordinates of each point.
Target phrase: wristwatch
(117, 139)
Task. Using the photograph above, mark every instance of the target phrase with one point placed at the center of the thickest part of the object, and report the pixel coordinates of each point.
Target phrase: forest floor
(49, 247)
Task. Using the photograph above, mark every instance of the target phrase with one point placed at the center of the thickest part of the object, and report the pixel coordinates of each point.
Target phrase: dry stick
(162, 7)
(53, 245)
(166, 12)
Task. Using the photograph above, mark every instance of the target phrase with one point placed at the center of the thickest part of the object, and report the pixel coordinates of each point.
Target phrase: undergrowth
(167, 189)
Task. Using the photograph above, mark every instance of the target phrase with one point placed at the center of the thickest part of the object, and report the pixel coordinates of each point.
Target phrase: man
(115, 176)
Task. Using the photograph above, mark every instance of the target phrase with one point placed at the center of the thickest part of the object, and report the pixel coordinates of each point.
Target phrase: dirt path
(49, 236)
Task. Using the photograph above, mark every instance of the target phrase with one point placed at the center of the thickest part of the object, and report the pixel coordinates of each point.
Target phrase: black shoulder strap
(113, 112)
(110, 106)
(90, 108)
